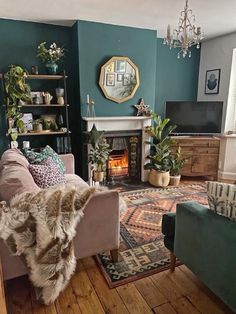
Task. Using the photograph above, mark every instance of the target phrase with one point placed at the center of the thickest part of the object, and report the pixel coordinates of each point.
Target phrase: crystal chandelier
(186, 35)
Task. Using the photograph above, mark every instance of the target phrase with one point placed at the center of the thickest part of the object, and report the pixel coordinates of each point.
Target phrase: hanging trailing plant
(17, 91)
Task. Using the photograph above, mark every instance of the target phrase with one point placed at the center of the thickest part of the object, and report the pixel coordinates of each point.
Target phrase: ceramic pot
(37, 127)
(175, 180)
(98, 176)
(159, 178)
(51, 68)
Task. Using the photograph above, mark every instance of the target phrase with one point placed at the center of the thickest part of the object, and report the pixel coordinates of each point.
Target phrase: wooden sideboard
(202, 153)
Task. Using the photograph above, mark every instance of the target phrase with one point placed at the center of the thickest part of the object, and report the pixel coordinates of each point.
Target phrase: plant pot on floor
(175, 180)
(159, 178)
(98, 176)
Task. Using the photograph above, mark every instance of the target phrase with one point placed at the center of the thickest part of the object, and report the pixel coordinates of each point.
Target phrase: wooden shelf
(42, 77)
(43, 105)
(42, 133)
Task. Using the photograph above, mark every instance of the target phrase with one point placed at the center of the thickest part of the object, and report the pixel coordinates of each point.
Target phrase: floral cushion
(38, 158)
(47, 174)
(222, 198)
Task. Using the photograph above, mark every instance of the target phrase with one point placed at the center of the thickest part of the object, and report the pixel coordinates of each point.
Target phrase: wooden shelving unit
(63, 110)
(46, 106)
(42, 77)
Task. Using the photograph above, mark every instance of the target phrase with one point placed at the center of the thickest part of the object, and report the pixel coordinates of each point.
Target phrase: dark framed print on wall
(212, 82)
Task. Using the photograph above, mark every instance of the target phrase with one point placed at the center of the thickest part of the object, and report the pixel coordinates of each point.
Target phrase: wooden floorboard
(164, 293)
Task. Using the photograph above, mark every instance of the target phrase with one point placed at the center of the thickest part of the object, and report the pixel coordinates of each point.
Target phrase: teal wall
(18, 42)
(97, 44)
(89, 45)
(163, 77)
(176, 79)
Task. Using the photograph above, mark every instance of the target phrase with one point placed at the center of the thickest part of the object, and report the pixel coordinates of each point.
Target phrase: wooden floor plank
(183, 306)
(133, 299)
(165, 309)
(109, 298)
(67, 302)
(85, 293)
(20, 301)
(150, 292)
(166, 286)
(204, 304)
(186, 284)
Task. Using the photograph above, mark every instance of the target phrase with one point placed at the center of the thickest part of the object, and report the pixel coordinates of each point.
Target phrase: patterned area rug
(142, 251)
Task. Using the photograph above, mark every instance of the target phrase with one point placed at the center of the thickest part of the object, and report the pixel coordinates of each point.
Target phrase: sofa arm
(69, 162)
(99, 230)
(205, 242)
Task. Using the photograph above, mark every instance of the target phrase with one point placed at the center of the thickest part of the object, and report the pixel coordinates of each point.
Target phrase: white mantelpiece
(125, 123)
(227, 160)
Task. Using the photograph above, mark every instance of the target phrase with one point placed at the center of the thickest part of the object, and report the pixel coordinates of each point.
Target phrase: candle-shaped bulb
(87, 98)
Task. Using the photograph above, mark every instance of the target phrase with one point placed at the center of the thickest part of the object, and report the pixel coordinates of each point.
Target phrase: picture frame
(119, 78)
(27, 118)
(110, 79)
(120, 66)
(126, 79)
(212, 81)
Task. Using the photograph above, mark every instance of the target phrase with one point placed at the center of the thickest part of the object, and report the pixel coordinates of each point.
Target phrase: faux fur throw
(40, 227)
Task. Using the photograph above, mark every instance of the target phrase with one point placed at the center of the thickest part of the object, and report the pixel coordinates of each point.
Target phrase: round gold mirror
(119, 79)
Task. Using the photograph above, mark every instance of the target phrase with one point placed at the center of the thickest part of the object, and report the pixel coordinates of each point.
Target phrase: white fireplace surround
(125, 123)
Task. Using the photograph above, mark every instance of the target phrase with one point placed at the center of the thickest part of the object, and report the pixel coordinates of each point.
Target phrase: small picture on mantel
(212, 83)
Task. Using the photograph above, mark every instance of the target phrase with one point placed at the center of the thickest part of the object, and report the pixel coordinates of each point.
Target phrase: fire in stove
(118, 163)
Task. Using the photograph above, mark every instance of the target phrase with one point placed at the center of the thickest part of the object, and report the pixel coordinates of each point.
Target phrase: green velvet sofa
(206, 243)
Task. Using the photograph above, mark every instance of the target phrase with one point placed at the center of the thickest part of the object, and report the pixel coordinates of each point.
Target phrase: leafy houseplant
(160, 156)
(17, 91)
(177, 162)
(99, 153)
(50, 56)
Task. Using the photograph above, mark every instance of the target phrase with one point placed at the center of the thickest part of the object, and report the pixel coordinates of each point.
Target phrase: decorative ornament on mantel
(187, 34)
(143, 110)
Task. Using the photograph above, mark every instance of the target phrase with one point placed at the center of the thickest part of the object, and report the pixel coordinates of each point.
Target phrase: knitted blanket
(40, 228)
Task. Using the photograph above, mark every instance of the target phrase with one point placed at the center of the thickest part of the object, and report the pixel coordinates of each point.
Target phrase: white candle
(87, 98)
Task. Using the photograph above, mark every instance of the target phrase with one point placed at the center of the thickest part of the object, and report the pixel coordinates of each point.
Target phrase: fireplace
(125, 157)
(129, 148)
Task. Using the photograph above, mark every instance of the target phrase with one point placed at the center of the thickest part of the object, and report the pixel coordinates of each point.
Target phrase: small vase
(51, 68)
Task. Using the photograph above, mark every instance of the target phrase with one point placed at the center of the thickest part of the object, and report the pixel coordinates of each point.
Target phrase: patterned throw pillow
(222, 198)
(47, 174)
(38, 158)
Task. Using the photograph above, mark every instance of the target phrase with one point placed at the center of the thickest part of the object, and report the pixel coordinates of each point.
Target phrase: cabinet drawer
(205, 150)
(205, 164)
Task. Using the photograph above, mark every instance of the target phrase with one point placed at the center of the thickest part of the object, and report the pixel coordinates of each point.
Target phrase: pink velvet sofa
(97, 232)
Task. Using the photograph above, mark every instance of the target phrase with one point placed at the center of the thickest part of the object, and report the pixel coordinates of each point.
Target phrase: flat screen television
(195, 117)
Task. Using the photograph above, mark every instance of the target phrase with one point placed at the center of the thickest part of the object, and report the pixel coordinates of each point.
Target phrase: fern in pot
(160, 155)
(177, 163)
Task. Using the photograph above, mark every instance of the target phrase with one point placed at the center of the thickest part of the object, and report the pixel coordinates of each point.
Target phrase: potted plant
(177, 162)
(17, 92)
(160, 155)
(99, 153)
(50, 56)
(37, 125)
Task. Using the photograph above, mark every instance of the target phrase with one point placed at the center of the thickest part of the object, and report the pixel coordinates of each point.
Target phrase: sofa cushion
(15, 177)
(38, 158)
(222, 198)
(76, 180)
(47, 174)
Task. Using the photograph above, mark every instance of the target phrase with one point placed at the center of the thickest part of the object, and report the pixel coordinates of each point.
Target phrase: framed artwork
(127, 79)
(212, 82)
(27, 119)
(120, 66)
(110, 81)
(119, 77)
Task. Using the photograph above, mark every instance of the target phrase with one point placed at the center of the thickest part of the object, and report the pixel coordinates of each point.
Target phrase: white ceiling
(216, 17)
